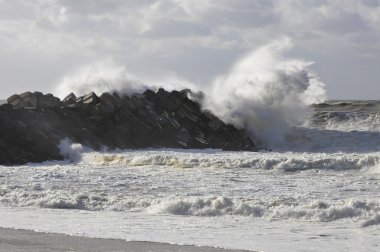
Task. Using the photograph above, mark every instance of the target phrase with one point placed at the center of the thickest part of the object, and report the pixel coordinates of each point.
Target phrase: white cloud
(152, 36)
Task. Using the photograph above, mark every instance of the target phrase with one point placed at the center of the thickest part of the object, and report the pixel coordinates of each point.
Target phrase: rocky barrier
(33, 124)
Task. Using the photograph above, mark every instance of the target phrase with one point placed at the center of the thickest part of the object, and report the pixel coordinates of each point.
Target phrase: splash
(108, 76)
(70, 151)
(266, 93)
(100, 77)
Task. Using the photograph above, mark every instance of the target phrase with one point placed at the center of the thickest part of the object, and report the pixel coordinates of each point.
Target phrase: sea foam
(286, 161)
(275, 209)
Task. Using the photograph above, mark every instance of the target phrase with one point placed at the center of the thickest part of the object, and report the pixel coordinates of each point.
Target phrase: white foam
(207, 207)
(266, 93)
(99, 183)
(109, 76)
(99, 77)
(70, 150)
(275, 209)
(203, 197)
(287, 161)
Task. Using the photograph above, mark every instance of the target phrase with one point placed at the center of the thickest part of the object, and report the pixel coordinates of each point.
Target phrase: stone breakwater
(33, 124)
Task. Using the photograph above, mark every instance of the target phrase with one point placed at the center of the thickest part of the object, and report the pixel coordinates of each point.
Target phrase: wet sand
(14, 240)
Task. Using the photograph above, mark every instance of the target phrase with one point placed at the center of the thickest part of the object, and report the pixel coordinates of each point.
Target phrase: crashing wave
(365, 211)
(219, 159)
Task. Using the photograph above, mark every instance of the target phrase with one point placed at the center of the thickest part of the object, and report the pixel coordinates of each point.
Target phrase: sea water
(318, 191)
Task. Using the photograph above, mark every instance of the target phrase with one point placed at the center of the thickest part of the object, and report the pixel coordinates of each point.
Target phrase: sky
(44, 43)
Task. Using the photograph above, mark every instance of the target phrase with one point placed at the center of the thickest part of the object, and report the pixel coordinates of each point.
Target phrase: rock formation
(33, 124)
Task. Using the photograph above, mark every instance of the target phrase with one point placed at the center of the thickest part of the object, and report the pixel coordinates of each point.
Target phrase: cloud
(125, 22)
(194, 38)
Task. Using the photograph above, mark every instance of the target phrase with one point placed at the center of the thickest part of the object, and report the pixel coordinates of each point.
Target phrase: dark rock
(6, 106)
(150, 95)
(34, 100)
(13, 99)
(69, 99)
(30, 99)
(33, 124)
(90, 98)
(38, 93)
(109, 103)
(17, 102)
(183, 137)
(215, 124)
(48, 101)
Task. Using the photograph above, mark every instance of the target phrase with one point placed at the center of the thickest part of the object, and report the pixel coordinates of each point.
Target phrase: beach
(16, 240)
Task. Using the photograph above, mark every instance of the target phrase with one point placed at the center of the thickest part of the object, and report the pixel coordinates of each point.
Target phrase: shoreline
(19, 240)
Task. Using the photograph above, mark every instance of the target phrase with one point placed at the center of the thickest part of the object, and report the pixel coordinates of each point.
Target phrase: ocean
(317, 190)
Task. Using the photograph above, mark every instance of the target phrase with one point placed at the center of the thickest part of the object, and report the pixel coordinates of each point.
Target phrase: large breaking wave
(267, 93)
(264, 92)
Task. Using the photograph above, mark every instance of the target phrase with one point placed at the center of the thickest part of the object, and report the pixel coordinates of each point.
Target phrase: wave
(366, 212)
(365, 104)
(286, 161)
(282, 161)
(264, 92)
(375, 220)
(71, 151)
(347, 116)
(304, 139)
(347, 120)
